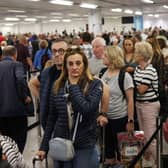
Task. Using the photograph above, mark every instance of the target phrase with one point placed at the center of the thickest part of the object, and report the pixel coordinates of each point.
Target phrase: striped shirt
(11, 151)
(147, 76)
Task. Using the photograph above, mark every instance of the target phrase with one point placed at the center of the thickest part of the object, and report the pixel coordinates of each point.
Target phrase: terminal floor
(33, 141)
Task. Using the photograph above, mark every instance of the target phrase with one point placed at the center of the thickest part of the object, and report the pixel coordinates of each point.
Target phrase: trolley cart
(36, 159)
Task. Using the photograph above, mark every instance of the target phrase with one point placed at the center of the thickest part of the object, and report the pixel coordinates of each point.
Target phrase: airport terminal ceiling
(42, 10)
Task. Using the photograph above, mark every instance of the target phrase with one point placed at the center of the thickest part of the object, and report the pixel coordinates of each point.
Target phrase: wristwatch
(104, 114)
(130, 121)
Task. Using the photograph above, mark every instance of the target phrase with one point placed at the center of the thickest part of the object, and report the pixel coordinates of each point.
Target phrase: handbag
(130, 145)
(62, 149)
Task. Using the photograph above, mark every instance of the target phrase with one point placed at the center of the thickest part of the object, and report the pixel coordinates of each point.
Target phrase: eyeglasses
(60, 51)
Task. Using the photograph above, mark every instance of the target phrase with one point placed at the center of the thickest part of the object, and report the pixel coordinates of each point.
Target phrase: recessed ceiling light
(66, 20)
(73, 14)
(55, 13)
(156, 15)
(138, 13)
(116, 10)
(12, 19)
(8, 24)
(128, 11)
(147, 1)
(34, 0)
(150, 15)
(54, 20)
(16, 11)
(30, 19)
(61, 2)
(57, 17)
(165, 6)
(87, 5)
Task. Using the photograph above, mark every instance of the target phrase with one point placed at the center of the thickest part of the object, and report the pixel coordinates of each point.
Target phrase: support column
(95, 21)
(138, 22)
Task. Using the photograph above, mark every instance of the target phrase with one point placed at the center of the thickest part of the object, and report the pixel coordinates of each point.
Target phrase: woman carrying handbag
(77, 86)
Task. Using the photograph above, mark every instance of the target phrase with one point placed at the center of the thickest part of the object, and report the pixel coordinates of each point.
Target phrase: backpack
(44, 59)
(120, 79)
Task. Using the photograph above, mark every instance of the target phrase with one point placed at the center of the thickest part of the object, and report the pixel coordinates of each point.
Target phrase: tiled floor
(32, 145)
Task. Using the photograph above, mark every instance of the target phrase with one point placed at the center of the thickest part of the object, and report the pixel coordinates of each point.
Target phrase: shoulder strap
(121, 81)
(102, 71)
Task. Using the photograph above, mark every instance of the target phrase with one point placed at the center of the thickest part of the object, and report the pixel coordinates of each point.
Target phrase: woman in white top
(121, 108)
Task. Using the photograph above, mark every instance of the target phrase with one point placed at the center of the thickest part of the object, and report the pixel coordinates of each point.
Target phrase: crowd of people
(82, 76)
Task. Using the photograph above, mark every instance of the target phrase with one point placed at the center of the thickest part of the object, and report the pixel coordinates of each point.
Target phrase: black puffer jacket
(86, 105)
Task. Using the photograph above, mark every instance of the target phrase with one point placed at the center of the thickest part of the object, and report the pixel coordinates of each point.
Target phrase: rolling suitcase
(36, 159)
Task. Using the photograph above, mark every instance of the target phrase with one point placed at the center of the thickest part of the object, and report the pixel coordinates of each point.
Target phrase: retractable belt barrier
(35, 124)
(138, 157)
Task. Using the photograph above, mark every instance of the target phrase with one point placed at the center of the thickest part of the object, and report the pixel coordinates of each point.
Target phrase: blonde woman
(121, 109)
(147, 103)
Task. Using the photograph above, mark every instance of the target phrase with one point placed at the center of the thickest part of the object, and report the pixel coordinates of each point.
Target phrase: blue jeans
(84, 158)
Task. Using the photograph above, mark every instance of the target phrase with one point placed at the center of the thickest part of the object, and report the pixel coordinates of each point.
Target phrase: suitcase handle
(36, 158)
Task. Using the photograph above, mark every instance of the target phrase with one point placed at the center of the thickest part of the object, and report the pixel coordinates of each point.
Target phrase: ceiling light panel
(138, 13)
(55, 13)
(54, 20)
(73, 14)
(150, 15)
(61, 2)
(66, 20)
(57, 17)
(12, 19)
(128, 11)
(147, 1)
(34, 0)
(8, 24)
(116, 10)
(30, 19)
(16, 11)
(156, 15)
(165, 6)
(89, 6)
